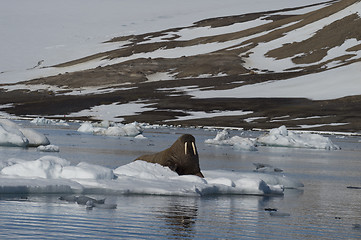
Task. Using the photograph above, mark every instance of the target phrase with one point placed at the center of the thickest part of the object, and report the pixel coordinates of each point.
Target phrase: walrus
(181, 157)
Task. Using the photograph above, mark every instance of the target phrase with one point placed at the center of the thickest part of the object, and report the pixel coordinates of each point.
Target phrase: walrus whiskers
(185, 148)
(194, 148)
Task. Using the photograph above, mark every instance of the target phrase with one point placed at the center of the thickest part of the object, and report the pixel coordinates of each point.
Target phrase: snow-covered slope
(60, 31)
(304, 50)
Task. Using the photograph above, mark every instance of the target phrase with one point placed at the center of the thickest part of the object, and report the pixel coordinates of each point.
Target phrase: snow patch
(331, 84)
(160, 76)
(305, 126)
(200, 114)
(113, 112)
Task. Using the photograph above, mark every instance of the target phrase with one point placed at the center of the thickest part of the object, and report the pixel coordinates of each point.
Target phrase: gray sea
(324, 209)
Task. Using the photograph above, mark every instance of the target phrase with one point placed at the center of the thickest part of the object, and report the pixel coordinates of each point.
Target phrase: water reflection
(236, 215)
(180, 215)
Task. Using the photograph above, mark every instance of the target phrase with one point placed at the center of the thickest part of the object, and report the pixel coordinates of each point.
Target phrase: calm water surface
(324, 209)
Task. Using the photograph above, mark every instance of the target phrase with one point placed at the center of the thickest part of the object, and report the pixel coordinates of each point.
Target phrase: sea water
(324, 208)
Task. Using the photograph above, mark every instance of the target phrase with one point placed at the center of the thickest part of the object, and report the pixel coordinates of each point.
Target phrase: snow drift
(13, 135)
(51, 174)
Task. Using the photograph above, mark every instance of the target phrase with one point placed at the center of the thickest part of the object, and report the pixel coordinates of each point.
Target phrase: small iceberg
(238, 143)
(44, 121)
(281, 137)
(13, 135)
(48, 148)
(107, 129)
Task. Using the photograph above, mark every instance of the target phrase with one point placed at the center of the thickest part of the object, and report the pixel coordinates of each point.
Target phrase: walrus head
(181, 157)
(184, 153)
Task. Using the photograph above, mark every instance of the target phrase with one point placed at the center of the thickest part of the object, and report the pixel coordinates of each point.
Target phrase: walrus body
(181, 157)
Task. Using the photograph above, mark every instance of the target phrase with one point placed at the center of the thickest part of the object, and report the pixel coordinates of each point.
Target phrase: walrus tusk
(185, 148)
(194, 148)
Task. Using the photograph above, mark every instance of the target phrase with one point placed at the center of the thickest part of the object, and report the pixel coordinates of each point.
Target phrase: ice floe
(237, 142)
(44, 121)
(285, 138)
(13, 135)
(48, 148)
(50, 174)
(108, 129)
(277, 137)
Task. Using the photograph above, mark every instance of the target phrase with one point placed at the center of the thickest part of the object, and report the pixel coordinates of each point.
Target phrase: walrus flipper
(172, 165)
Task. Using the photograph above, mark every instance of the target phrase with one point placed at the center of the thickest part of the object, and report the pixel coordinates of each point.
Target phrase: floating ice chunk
(239, 143)
(220, 137)
(140, 136)
(87, 171)
(46, 167)
(103, 124)
(44, 121)
(48, 148)
(86, 127)
(51, 167)
(132, 129)
(114, 131)
(284, 138)
(13, 135)
(10, 136)
(270, 179)
(35, 138)
(129, 130)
